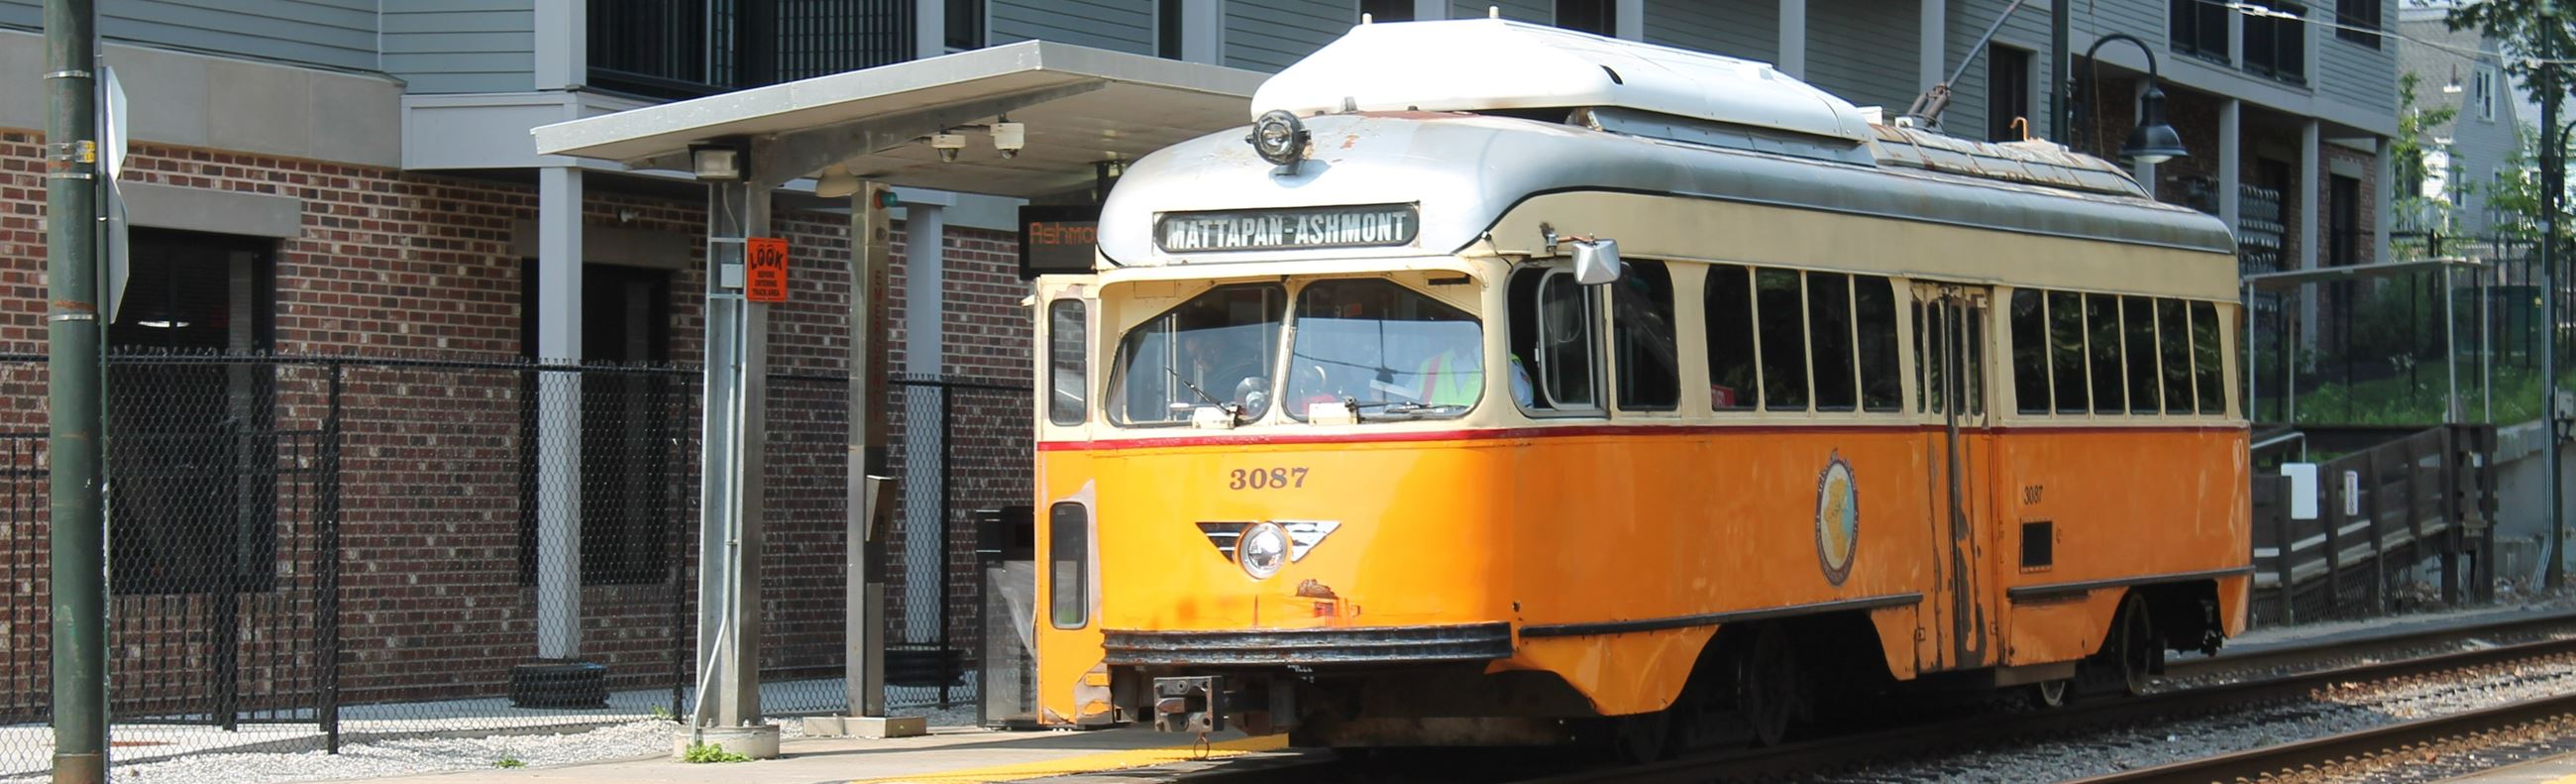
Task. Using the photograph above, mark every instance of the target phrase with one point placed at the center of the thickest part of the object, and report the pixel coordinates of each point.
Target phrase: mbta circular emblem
(1837, 519)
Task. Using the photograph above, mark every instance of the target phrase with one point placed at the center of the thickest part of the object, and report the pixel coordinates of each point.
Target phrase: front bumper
(1326, 646)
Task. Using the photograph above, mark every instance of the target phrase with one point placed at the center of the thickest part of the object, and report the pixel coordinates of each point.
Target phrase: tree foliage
(2531, 33)
(2410, 152)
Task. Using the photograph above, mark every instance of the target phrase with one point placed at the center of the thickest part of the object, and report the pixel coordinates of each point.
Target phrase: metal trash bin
(1006, 560)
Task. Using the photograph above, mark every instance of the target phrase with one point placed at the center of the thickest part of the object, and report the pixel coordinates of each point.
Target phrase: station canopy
(1080, 106)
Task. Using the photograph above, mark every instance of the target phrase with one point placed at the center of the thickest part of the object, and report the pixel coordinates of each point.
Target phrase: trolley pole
(72, 338)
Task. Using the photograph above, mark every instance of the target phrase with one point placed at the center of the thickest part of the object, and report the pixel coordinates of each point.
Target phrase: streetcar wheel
(1766, 686)
(2049, 694)
(1642, 737)
(2140, 651)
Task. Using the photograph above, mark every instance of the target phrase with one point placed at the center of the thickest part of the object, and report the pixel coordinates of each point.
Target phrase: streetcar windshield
(1393, 351)
(1217, 349)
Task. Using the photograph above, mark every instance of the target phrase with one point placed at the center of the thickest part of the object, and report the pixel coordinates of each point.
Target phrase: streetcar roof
(1478, 65)
(1465, 171)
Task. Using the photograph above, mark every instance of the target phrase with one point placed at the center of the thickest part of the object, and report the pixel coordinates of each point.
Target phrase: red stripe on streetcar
(1514, 433)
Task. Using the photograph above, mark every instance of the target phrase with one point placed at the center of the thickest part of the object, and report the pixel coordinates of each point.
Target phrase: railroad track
(1843, 752)
(2513, 629)
(2330, 756)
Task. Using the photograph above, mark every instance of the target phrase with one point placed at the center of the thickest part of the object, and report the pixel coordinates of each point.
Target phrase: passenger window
(2208, 363)
(1972, 357)
(1881, 383)
(1217, 348)
(1829, 335)
(1732, 377)
(2030, 352)
(1782, 304)
(1065, 381)
(2138, 322)
(2066, 351)
(1650, 377)
(2102, 340)
(1928, 378)
(2173, 341)
(1553, 341)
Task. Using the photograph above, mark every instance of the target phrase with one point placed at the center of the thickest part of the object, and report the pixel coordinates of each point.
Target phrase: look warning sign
(766, 278)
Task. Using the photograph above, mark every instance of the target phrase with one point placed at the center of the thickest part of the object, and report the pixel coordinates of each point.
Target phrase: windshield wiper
(1233, 415)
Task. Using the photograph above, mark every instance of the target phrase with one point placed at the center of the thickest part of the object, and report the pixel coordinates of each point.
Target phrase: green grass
(709, 752)
(2392, 401)
(509, 762)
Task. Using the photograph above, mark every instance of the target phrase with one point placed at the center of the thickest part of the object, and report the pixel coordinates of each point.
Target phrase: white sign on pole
(2303, 489)
(113, 138)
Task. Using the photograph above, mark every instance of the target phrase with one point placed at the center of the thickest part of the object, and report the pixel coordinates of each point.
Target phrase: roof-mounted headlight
(1279, 138)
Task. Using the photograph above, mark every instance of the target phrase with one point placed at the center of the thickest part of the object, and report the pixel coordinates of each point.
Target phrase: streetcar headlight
(1262, 550)
(1278, 137)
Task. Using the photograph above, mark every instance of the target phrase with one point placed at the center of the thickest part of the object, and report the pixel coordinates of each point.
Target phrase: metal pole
(2553, 175)
(2486, 350)
(74, 380)
(863, 661)
(2451, 409)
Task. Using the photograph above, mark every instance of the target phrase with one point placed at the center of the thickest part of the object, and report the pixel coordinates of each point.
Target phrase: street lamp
(2153, 140)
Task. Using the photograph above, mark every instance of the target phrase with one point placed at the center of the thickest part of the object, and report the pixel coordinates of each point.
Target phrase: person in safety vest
(1451, 378)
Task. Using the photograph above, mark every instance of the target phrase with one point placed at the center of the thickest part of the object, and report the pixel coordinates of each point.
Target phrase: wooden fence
(2381, 510)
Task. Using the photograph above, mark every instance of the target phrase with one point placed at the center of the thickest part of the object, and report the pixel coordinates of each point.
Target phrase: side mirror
(1596, 262)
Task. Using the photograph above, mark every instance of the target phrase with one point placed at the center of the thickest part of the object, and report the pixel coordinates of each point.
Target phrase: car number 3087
(1265, 478)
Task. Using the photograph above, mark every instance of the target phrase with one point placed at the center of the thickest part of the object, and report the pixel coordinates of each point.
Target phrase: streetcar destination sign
(1315, 227)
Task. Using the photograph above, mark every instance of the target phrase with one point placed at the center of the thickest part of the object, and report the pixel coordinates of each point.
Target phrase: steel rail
(1845, 751)
(2197, 667)
(2355, 746)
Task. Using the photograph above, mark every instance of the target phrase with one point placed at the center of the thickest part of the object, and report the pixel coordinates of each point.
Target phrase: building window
(1598, 17)
(2200, 29)
(631, 497)
(2278, 48)
(2482, 92)
(1387, 10)
(1167, 29)
(2007, 93)
(2343, 216)
(2358, 21)
(688, 48)
(965, 20)
(195, 496)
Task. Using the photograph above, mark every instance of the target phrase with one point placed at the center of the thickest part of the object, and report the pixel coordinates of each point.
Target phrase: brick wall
(404, 265)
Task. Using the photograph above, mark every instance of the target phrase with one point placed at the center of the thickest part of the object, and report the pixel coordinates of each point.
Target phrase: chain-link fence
(305, 550)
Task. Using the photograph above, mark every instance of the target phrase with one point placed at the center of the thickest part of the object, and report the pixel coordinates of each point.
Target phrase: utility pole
(72, 338)
(2553, 176)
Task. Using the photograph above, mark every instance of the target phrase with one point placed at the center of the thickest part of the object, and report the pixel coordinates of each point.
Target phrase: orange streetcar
(1588, 388)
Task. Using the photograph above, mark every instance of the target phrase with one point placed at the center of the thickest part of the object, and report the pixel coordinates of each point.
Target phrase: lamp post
(2153, 140)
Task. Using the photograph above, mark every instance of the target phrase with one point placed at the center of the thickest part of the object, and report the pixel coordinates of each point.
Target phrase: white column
(1793, 38)
(1630, 20)
(925, 289)
(1931, 50)
(2230, 155)
(929, 28)
(2383, 192)
(1203, 31)
(1428, 10)
(2311, 213)
(563, 45)
(558, 413)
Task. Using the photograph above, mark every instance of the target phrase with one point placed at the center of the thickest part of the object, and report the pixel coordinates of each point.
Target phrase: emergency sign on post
(766, 259)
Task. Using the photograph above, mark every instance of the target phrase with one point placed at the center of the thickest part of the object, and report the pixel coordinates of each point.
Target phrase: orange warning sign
(765, 278)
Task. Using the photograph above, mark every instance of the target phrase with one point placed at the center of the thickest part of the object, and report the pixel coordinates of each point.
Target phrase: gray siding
(334, 33)
(1749, 29)
(1120, 25)
(2355, 73)
(1863, 51)
(462, 46)
(1540, 11)
(1268, 35)
(2478, 146)
(1967, 114)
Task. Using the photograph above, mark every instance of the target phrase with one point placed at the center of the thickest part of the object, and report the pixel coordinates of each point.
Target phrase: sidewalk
(947, 755)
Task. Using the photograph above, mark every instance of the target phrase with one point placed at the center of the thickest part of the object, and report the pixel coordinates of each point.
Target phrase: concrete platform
(2266, 638)
(2550, 770)
(948, 755)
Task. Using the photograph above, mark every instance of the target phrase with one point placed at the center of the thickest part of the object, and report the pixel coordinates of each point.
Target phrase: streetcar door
(1950, 363)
